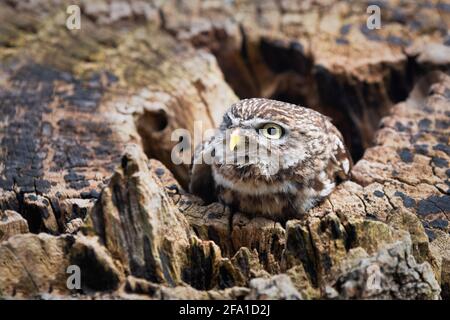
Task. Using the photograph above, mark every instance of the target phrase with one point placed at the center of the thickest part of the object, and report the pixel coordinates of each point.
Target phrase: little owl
(270, 159)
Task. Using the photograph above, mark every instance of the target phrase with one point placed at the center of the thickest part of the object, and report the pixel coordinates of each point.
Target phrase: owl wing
(341, 160)
(202, 182)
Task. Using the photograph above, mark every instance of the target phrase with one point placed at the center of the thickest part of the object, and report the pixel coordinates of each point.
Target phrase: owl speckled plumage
(310, 152)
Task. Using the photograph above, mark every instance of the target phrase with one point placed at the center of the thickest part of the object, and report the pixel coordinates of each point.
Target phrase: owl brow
(258, 122)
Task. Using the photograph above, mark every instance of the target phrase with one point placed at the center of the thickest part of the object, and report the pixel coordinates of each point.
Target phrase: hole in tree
(354, 106)
(157, 143)
(152, 121)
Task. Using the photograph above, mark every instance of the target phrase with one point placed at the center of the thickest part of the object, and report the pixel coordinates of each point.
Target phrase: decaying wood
(86, 143)
(11, 223)
(67, 118)
(320, 53)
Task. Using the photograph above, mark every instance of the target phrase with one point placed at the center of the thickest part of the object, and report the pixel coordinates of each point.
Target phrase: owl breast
(279, 198)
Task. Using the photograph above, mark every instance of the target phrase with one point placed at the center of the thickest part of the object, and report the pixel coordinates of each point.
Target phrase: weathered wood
(320, 54)
(35, 265)
(11, 223)
(411, 155)
(137, 224)
(72, 100)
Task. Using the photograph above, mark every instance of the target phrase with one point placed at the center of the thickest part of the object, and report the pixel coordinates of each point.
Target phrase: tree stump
(86, 136)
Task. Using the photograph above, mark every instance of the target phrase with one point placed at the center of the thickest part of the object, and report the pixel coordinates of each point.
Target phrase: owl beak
(234, 139)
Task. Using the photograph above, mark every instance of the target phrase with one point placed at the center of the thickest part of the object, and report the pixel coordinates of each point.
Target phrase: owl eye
(271, 131)
(226, 122)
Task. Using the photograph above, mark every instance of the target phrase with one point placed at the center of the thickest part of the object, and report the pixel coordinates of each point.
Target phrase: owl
(271, 159)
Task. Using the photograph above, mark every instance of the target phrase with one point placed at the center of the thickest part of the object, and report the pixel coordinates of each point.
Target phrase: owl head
(259, 138)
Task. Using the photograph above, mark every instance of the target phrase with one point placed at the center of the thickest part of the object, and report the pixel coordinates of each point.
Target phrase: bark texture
(86, 123)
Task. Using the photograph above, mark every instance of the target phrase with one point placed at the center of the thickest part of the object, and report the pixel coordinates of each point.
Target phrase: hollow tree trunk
(83, 111)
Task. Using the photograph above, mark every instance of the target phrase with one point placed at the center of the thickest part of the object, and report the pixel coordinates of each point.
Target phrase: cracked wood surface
(411, 155)
(320, 53)
(71, 101)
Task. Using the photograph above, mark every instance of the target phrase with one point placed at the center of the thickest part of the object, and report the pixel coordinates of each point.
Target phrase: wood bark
(86, 170)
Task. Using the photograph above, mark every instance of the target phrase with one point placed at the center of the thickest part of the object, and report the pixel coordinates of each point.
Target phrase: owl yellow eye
(271, 131)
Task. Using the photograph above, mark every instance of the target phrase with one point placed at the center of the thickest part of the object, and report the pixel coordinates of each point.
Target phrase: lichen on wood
(86, 176)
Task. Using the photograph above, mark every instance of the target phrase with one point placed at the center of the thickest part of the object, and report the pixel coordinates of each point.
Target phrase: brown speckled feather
(311, 159)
